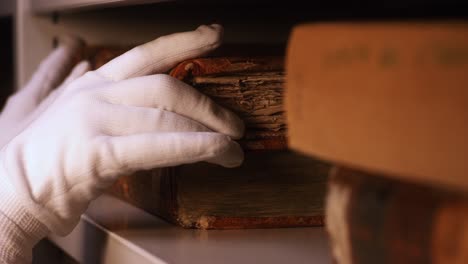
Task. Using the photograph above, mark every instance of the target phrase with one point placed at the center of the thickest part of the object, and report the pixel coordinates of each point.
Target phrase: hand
(114, 121)
(49, 79)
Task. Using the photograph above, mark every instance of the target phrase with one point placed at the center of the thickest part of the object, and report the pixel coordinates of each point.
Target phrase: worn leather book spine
(374, 219)
(252, 87)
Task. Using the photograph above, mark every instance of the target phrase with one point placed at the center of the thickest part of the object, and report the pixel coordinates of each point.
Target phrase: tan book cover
(388, 97)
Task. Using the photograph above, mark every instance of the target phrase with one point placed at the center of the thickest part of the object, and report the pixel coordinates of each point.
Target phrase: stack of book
(387, 103)
(273, 188)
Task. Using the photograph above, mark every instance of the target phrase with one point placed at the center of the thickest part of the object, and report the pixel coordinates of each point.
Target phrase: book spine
(371, 219)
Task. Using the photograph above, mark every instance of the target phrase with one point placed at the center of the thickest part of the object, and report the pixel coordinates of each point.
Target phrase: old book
(388, 97)
(252, 87)
(273, 188)
(376, 219)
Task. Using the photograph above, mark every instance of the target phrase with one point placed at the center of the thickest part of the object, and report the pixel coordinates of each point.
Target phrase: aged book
(252, 87)
(376, 219)
(390, 97)
(273, 188)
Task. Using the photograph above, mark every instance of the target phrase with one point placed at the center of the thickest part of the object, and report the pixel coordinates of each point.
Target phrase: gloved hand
(18, 229)
(107, 123)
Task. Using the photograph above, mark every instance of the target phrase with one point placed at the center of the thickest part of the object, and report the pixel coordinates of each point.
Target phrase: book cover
(385, 96)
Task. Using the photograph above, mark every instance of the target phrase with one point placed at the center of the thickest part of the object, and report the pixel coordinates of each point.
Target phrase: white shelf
(113, 231)
(45, 6)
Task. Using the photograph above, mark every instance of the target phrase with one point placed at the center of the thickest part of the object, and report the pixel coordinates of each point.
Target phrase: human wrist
(19, 229)
(19, 236)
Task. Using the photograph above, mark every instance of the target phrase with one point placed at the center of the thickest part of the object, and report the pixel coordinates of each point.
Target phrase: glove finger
(161, 54)
(167, 93)
(53, 69)
(128, 120)
(79, 70)
(23, 119)
(153, 150)
(22, 104)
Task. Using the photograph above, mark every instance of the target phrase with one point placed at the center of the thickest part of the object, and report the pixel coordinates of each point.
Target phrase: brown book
(273, 188)
(252, 87)
(375, 219)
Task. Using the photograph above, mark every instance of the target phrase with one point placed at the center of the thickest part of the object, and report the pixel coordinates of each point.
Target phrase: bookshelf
(113, 231)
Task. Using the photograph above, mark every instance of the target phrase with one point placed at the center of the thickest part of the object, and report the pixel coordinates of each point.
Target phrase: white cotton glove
(110, 122)
(19, 230)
